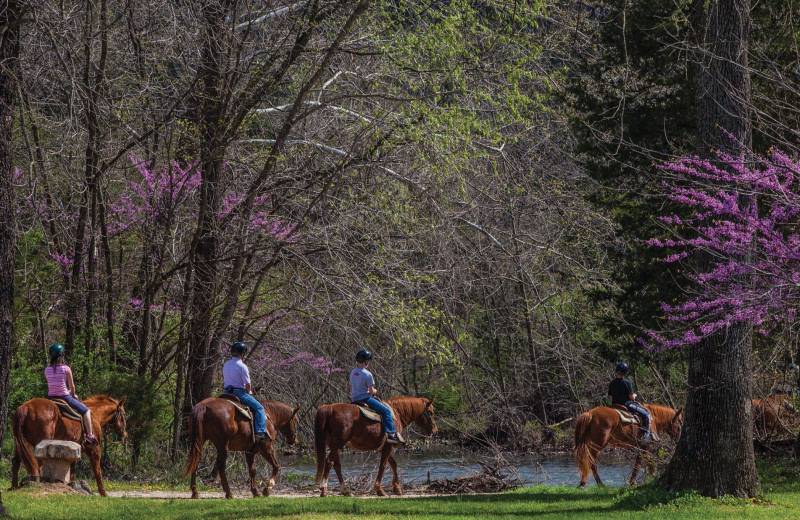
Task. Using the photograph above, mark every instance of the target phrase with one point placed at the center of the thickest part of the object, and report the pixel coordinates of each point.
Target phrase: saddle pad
(626, 416)
(67, 411)
(372, 415)
(242, 409)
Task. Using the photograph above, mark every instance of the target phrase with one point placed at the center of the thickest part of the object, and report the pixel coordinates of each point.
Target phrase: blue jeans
(259, 419)
(79, 406)
(643, 413)
(386, 414)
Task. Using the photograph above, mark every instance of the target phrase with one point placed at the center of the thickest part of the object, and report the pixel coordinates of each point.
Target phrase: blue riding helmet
(622, 367)
(238, 348)
(56, 349)
(363, 355)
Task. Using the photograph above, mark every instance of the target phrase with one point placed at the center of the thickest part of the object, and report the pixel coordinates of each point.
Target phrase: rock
(81, 487)
(56, 458)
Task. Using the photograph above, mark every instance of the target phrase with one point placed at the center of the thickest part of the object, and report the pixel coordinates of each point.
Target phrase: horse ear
(430, 403)
(678, 414)
(294, 412)
(122, 402)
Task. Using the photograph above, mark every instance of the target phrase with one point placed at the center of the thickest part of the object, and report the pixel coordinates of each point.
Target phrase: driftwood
(490, 480)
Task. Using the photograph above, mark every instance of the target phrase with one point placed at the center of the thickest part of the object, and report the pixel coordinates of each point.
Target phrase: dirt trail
(164, 494)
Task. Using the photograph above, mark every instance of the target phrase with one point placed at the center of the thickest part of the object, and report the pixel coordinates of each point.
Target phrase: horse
(216, 420)
(340, 424)
(40, 419)
(601, 426)
(774, 417)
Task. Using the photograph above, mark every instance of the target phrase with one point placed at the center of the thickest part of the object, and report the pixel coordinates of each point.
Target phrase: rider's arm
(632, 396)
(248, 388)
(70, 384)
(372, 390)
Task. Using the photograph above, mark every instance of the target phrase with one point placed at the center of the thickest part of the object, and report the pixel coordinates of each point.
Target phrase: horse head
(289, 429)
(425, 419)
(674, 426)
(119, 421)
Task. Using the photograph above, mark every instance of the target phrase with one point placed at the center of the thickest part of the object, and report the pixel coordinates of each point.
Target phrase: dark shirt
(620, 390)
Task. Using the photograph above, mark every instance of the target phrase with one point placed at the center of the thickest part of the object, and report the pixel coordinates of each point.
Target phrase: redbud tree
(743, 219)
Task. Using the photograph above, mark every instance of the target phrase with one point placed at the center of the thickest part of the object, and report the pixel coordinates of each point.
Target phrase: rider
(236, 379)
(61, 386)
(362, 390)
(620, 391)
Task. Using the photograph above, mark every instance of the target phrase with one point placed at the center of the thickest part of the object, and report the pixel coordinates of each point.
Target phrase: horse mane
(100, 398)
(280, 412)
(661, 414)
(408, 407)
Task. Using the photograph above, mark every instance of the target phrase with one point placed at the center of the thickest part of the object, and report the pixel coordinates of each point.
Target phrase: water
(415, 467)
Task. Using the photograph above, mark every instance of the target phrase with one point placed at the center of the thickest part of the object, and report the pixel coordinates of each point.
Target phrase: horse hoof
(195, 495)
(228, 495)
(256, 494)
(346, 493)
(323, 494)
(380, 492)
(266, 492)
(397, 492)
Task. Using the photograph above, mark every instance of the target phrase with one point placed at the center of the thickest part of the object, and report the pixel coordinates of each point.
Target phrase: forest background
(464, 188)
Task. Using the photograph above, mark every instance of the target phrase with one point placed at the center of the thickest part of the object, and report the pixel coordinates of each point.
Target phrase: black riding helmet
(363, 355)
(238, 348)
(622, 367)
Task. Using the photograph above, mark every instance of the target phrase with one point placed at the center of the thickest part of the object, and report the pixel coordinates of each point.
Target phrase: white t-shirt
(235, 373)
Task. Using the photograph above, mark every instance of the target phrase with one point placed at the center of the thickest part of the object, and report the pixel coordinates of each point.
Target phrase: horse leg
(73, 471)
(636, 465)
(593, 467)
(94, 462)
(395, 477)
(15, 461)
(222, 459)
(337, 465)
(250, 457)
(386, 452)
(269, 454)
(193, 486)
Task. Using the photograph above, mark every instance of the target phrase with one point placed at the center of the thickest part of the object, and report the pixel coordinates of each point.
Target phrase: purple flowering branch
(745, 221)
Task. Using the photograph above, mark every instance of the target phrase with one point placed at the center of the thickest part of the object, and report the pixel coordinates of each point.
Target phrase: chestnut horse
(216, 420)
(40, 419)
(341, 424)
(774, 418)
(601, 426)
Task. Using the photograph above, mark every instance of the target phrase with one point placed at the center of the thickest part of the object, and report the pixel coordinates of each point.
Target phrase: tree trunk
(9, 71)
(715, 452)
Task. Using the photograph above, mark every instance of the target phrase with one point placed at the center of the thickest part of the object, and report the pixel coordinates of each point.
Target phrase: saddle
(371, 415)
(628, 417)
(67, 411)
(237, 404)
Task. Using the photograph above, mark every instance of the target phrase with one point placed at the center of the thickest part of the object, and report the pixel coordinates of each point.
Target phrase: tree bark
(9, 72)
(715, 452)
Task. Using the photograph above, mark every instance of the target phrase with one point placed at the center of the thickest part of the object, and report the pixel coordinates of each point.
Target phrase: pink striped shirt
(57, 379)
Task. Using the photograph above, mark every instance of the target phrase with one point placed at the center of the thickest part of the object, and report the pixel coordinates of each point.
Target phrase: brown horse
(601, 426)
(341, 424)
(40, 419)
(774, 418)
(216, 420)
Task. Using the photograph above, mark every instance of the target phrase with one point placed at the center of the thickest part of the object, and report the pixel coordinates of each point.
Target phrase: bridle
(117, 414)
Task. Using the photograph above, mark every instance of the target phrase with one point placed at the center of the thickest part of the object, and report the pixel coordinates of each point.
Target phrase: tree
(715, 452)
(744, 220)
(10, 18)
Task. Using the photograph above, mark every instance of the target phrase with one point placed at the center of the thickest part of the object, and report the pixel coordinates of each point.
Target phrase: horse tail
(196, 440)
(21, 444)
(320, 425)
(583, 456)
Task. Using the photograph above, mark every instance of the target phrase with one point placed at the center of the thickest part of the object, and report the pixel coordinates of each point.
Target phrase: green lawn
(538, 502)
(780, 499)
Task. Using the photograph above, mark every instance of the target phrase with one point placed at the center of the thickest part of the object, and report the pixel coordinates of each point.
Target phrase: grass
(780, 499)
(536, 502)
